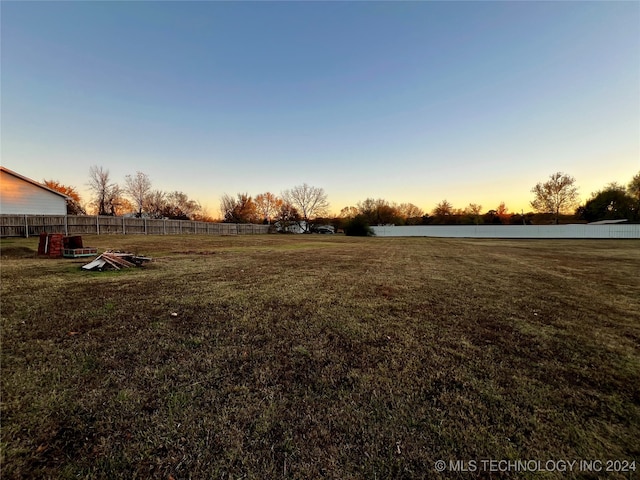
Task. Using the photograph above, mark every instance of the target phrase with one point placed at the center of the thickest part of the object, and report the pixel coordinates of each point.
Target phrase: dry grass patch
(318, 357)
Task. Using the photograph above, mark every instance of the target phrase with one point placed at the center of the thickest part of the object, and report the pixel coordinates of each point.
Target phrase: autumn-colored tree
(74, 206)
(557, 195)
(202, 216)
(503, 213)
(267, 205)
(64, 189)
(240, 209)
(287, 216)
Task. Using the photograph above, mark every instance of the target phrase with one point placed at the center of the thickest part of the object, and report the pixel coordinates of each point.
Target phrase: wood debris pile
(111, 260)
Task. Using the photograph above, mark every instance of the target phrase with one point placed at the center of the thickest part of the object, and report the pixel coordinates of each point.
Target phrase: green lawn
(304, 356)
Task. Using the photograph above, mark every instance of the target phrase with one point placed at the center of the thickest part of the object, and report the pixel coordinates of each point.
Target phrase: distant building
(301, 227)
(21, 195)
(292, 227)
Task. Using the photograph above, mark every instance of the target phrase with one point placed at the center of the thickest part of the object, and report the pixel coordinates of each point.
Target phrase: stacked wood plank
(111, 260)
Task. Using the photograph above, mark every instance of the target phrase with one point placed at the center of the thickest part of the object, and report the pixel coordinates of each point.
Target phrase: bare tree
(227, 206)
(267, 205)
(117, 203)
(379, 212)
(348, 212)
(557, 195)
(474, 210)
(410, 213)
(309, 201)
(180, 207)
(103, 190)
(409, 210)
(155, 203)
(137, 187)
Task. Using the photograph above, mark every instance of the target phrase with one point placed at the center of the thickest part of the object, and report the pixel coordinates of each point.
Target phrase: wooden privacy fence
(33, 225)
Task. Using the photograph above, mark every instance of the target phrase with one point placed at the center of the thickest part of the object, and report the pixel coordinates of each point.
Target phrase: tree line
(299, 205)
(134, 197)
(554, 200)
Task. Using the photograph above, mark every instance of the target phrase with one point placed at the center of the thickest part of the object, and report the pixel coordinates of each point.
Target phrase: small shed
(21, 195)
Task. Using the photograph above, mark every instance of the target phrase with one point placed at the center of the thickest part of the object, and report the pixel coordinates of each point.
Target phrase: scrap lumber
(109, 261)
(96, 264)
(116, 260)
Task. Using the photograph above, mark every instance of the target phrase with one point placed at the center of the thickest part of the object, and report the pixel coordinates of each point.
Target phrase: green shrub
(358, 227)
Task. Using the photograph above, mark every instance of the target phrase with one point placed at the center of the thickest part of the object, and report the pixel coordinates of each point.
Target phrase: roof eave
(33, 182)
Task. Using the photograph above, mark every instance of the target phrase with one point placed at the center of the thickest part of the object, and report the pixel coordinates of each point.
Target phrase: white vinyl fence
(511, 231)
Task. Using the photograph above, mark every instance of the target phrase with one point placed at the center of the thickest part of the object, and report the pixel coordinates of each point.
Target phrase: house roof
(33, 182)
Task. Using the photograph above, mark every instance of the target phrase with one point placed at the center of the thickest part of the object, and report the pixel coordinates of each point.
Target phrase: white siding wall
(511, 231)
(19, 196)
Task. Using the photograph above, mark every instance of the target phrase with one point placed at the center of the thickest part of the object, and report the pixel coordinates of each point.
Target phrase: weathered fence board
(33, 225)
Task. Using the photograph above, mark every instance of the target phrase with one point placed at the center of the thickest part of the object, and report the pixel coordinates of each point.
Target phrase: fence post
(164, 226)
(124, 231)
(66, 226)
(145, 226)
(97, 224)
(26, 227)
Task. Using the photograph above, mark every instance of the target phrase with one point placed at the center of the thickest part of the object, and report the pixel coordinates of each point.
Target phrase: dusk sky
(407, 101)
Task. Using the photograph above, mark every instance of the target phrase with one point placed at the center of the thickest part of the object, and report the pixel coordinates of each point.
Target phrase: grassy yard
(310, 357)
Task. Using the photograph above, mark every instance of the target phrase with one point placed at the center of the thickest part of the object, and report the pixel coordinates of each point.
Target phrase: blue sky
(407, 101)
